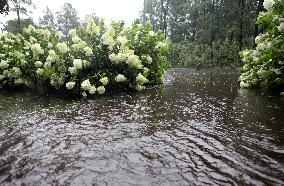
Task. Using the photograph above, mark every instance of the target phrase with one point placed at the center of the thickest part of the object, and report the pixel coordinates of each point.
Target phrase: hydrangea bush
(264, 66)
(90, 60)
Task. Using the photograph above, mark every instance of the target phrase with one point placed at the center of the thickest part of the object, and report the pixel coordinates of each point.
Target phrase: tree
(12, 25)
(67, 18)
(20, 7)
(47, 20)
(205, 25)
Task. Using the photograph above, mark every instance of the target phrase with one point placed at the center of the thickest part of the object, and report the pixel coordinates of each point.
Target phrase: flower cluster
(89, 60)
(264, 66)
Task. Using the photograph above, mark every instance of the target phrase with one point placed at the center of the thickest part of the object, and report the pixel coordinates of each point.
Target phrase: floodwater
(198, 128)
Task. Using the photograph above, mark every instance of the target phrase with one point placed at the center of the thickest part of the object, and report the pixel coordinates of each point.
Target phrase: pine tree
(47, 20)
(67, 18)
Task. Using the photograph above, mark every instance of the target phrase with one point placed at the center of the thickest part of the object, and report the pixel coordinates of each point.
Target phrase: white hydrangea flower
(86, 63)
(281, 27)
(140, 79)
(76, 39)
(104, 81)
(32, 39)
(60, 82)
(50, 59)
(79, 46)
(84, 94)
(47, 64)
(49, 45)
(86, 85)
(92, 27)
(16, 71)
(2, 77)
(77, 63)
(52, 53)
(268, 4)
(39, 71)
(53, 83)
(101, 89)
(36, 49)
(122, 40)
(29, 29)
(58, 34)
(134, 61)
(112, 57)
(161, 45)
(72, 33)
(73, 70)
(244, 85)
(108, 40)
(92, 90)
(3, 64)
(120, 78)
(38, 64)
(151, 33)
(140, 87)
(145, 70)
(258, 39)
(277, 71)
(70, 85)
(19, 81)
(62, 47)
(18, 55)
(261, 47)
(6, 73)
(149, 59)
(46, 33)
(88, 51)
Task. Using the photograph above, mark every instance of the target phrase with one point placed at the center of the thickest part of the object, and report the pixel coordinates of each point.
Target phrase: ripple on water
(198, 128)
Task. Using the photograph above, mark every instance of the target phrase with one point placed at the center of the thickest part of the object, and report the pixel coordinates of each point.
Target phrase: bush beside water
(264, 66)
(90, 60)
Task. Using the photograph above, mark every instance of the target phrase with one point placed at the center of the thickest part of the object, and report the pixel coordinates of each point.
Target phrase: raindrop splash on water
(198, 128)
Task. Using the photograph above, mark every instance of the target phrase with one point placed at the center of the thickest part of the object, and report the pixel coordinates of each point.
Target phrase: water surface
(198, 128)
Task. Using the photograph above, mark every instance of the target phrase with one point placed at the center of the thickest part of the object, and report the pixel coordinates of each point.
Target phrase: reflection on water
(198, 128)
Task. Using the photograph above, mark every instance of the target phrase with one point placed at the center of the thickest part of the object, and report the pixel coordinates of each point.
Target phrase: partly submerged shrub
(264, 66)
(89, 60)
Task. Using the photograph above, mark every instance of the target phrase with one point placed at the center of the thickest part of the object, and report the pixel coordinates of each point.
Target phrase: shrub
(264, 65)
(90, 59)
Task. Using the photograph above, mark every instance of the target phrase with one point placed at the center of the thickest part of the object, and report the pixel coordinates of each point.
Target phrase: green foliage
(90, 59)
(203, 28)
(264, 66)
(13, 27)
(220, 54)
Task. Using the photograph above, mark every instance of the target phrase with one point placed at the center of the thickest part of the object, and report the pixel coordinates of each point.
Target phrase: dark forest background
(207, 32)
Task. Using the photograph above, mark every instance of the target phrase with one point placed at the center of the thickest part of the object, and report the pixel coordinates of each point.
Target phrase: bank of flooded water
(198, 128)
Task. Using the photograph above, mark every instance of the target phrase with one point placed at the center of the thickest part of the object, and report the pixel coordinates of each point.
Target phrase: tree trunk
(18, 13)
(212, 23)
(241, 6)
(165, 18)
(256, 29)
(144, 13)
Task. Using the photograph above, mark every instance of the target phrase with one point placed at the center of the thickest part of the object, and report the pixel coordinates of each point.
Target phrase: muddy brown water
(198, 128)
